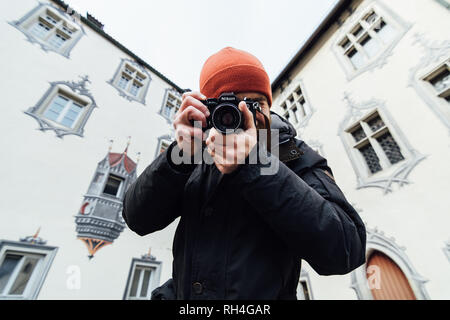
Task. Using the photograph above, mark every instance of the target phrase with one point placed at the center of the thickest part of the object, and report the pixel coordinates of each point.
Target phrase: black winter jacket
(247, 238)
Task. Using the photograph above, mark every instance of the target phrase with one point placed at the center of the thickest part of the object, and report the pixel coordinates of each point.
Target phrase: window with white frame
(143, 278)
(51, 28)
(374, 143)
(23, 268)
(132, 81)
(171, 105)
(367, 38)
(439, 80)
(294, 108)
(64, 110)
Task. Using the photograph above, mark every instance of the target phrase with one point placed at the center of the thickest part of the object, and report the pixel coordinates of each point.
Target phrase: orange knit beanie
(233, 70)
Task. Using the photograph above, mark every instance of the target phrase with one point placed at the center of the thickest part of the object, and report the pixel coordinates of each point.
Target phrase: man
(242, 234)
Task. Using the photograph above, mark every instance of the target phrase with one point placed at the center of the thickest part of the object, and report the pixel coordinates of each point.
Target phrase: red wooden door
(391, 283)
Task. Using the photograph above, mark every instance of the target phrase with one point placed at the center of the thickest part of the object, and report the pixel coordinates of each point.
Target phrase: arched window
(386, 280)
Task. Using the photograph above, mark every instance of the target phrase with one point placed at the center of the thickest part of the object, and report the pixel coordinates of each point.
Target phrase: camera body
(225, 115)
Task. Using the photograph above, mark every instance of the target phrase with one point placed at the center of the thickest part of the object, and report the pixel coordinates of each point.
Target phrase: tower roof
(117, 158)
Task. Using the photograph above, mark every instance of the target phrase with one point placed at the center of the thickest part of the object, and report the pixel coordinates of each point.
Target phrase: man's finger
(249, 123)
(195, 94)
(194, 101)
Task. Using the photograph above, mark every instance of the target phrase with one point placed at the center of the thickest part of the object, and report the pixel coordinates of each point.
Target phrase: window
(171, 105)
(440, 81)
(113, 184)
(141, 283)
(294, 108)
(64, 108)
(23, 268)
(430, 78)
(64, 111)
(143, 278)
(380, 153)
(15, 273)
(375, 143)
(132, 81)
(163, 146)
(50, 28)
(367, 38)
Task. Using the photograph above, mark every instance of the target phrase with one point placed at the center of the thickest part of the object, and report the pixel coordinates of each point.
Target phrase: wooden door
(391, 283)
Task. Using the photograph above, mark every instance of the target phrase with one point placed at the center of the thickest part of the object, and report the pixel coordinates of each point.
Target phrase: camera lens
(226, 117)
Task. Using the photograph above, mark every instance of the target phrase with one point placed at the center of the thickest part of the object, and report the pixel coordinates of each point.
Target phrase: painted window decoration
(99, 221)
(163, 143)
(171, 105)
(51, 28)
(430, 78)
(64, 108)
(23, 268)
(375, 143)
(295, 107)
(16, 271)
(367, 38)
(379, 151)
(143, 278)
(439, 80)
(132, 81)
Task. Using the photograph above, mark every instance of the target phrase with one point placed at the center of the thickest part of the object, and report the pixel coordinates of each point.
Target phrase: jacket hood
(286, 129)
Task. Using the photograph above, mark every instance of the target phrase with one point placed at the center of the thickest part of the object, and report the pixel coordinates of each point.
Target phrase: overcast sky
(176, 37)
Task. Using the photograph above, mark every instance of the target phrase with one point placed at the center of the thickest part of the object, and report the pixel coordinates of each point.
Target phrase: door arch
(386, 280)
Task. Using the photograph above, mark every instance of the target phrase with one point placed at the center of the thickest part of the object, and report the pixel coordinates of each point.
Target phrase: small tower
(99, 221)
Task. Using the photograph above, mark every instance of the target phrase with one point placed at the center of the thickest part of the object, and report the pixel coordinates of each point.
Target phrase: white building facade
(370, 91)
(83, 117)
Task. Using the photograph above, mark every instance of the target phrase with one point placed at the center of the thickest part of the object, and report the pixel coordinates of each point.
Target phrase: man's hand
(189, 138)
(228, 151)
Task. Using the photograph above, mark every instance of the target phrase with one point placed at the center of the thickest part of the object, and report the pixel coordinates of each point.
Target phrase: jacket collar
(288, 149)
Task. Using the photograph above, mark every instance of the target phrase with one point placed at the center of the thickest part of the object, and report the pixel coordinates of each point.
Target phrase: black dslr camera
(225, 115)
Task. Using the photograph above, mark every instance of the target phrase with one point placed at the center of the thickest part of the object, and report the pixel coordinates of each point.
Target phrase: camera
(225, 115)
